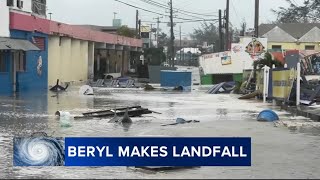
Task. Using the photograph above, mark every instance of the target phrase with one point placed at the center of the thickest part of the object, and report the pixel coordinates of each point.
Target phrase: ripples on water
(220, 115)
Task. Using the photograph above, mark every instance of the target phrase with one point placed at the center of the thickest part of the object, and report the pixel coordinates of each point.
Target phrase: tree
(163, 39)
(126, 31)
(309, 12)
(267, 61)
(208, 32)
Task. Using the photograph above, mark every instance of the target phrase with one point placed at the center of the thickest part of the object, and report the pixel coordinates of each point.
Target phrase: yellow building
(291, 36)
(77, 54)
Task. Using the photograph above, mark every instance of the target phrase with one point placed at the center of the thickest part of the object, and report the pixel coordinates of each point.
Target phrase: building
(24, 55)
(35, 51)
(230, 65)
(292, 36)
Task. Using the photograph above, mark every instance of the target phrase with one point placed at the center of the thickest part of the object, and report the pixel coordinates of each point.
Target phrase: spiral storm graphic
(38, 151)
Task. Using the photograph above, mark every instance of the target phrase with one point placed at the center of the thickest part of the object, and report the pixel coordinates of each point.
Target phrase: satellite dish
(86, 90)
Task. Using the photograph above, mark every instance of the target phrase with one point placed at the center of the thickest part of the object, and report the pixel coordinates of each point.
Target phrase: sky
(101, 12)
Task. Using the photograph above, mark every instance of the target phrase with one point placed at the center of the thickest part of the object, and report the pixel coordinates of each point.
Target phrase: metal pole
(298, 83)
(137, 23)
(172, 34)
(227, 25)
(220, 31)
(256, 21)
(180, 46)
(158, 28)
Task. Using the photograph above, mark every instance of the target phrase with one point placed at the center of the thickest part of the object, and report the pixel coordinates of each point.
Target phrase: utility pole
(221, 47)
(256, 21)
(227, 25)
(172, 34)
(150, 35)
(137, 23)
(139, 28)
(180, 46)
(158, 29)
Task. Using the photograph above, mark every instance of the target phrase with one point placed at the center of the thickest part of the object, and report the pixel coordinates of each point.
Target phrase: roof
(101, 28)
(30, 23)
(17, 44)
(296, 30)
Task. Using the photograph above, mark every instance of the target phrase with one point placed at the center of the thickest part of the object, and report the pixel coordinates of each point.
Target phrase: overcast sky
(101, 12)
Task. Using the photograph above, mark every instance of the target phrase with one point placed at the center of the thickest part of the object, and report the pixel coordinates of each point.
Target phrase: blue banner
(157, 152)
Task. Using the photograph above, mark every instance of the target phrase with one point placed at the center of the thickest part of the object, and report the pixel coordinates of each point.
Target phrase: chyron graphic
(38, 150)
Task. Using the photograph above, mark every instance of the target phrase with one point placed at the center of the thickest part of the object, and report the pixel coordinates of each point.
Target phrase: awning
(17, 44)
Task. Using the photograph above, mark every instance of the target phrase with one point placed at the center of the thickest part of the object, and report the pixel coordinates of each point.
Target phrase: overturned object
(123, 120)
(268, 115)
(58, 88)
(86, 90)
(222, 88)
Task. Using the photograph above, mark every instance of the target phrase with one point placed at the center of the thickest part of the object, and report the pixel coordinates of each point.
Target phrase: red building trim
(31, 23)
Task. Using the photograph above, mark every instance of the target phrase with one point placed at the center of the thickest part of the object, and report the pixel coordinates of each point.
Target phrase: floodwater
(289, 149)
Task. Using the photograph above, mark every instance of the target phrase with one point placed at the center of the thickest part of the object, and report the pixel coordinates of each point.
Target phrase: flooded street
(278, 151)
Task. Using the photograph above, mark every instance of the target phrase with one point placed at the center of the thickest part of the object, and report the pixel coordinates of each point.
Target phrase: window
(3, 64)
(20, 4)
(21, 61)
(10, 3)
(276, 47)
(309, 47)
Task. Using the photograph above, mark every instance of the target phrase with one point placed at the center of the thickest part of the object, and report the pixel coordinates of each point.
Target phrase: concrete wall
(69, 59)
(91, 60)
(212, 63)
(5, 18)
(30, 80)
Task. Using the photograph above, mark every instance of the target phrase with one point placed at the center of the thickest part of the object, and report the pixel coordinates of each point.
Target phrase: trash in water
(64, 118)
(181, 121)
(268, 115)
(86, 90)
(58, 88)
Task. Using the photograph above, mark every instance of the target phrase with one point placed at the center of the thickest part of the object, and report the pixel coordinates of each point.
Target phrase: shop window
(309, 47)
(3, 64)
(21, 61)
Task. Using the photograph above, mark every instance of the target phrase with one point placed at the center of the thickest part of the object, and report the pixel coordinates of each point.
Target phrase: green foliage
(268, 61)
(208, 32)
(307, 13)
(154, 56)
(126, 31)
(163, 39)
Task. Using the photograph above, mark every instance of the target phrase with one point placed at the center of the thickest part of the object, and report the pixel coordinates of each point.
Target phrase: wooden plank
(110, 110)
(132, 113)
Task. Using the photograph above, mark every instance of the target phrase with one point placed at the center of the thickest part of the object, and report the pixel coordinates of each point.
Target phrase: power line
(150, 11)
(176, 9)
(190, 21)
(165, 7)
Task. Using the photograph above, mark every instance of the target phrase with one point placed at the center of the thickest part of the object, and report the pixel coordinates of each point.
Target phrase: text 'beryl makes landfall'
(156, 151)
